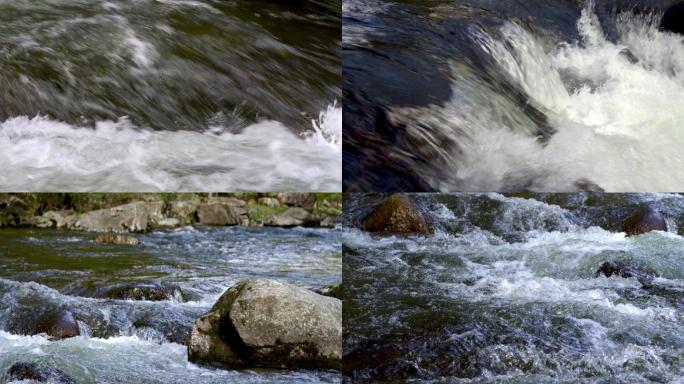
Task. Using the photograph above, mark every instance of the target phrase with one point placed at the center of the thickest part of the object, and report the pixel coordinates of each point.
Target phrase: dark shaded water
(505, 292)
(143, 341)
(149, 95)
(482, 95)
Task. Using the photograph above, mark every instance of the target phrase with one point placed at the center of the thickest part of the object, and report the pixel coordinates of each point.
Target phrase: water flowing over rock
(149, 292)
(397, 214)
(38, 373)
(645, 219)
(269, 324)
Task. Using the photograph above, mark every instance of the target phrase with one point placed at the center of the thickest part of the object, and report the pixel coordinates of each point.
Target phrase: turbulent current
(170, 95)
(125, 339)
(505, 291)
(522, 95)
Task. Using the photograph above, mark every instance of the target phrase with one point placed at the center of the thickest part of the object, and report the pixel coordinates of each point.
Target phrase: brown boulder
(397, 214)
(298, 199)
(645, 219)
(59, 325)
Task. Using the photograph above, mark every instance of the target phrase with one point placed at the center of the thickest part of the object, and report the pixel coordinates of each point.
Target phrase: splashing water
(551, 116)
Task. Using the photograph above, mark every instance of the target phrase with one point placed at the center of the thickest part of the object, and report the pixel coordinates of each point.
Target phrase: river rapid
(520, 95)
(505, 291)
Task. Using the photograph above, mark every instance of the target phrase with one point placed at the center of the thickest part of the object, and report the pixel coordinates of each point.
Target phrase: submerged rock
(39, 373)
(149, 292)
(59, 325)
(117, 239)
(644, 275)
(673, 19)
(397, 214)
(269, 324)
(645, 219)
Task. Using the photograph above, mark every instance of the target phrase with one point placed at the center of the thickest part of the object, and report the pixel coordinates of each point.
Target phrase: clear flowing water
(144, 341)
(505, 291)
(170, 95)
(522, 95)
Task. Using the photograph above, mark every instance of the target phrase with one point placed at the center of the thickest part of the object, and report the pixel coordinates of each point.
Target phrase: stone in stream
(643, 220)
(38, 373)
(59, 325)
(397, 214)
(673, 19)
(140, 216)
(644, 275)
(117, 239)
(149, 292)
(269, 324)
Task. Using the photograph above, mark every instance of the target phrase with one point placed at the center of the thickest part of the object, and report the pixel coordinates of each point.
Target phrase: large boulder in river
(643, 220)
(59, 325)
(269, 324)
(38, 373)
(673, 19)
(397, 214)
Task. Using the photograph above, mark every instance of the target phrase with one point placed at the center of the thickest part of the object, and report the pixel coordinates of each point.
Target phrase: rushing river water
(505, 291)
(481, 95)
(170, 95)
(128, 341)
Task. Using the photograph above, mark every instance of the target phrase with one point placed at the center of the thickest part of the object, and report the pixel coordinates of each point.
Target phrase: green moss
(261, 212)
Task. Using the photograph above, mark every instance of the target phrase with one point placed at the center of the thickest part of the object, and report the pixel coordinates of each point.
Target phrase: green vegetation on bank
(37, 203)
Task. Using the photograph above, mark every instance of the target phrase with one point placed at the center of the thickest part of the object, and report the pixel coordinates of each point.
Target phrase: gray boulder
(139, 216)
(269, 324)
(293, 217)
(38, 373)
(298, 199)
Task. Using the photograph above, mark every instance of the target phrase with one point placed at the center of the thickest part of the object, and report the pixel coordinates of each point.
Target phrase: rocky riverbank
(140, 213)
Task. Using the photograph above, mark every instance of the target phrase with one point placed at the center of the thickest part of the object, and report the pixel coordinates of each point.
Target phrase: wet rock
(295, 199)
(334, 290)
(148, 292)
(59, 325)
(169, 223)
(643, 220)
(269, 324)
(627, 54)
(644, 275)
(216, 214)
(133, 217)
(673, 19)
(293, 217)
(38, 373)
(117, 239)
(397, 214)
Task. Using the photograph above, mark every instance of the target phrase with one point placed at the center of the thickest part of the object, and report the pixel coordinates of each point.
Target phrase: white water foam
(40, 154)
(618, 123)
